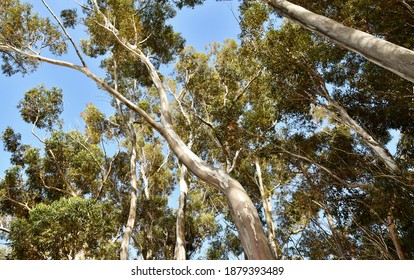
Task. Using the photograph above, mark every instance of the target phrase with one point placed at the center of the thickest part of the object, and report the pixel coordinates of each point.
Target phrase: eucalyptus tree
(332, 155)
(69, 228)
(302, 124)
(386, 54)
(51, 193)
(131, 39)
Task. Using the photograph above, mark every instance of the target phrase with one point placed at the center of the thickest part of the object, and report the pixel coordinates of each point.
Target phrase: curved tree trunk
(244, 213)
(242, 209)
(385, 54)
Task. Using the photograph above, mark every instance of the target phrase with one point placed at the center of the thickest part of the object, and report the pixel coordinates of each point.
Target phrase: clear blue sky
(212, 22)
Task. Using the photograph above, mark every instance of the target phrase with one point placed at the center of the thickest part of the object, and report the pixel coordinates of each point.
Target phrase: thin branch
(41, 176)
(339, 180)
(109, 170)
(411, 9)
(242, 91)
(233, 165)
(83, 6)
(24, 205)
(66, 33)
(95, 78)
(6, 230)
(165, 159)
(341, 114)
(69, 185)
(165, 110)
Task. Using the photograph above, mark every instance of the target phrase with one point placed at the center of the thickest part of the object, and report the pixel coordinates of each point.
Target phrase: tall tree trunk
(124, 255)
(242, 209)
(267, 207)
(388, 55)
(244, 213)
(179, 252)
(246, 219)
(335, 234)
(394, 235)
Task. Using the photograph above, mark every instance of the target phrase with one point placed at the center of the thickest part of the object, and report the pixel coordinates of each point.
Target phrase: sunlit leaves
(96, 125)
(25, 30)
(66, 227)
(42, 107)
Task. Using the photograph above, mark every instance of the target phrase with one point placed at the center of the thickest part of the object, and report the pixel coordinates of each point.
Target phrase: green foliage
(23, 29)
(11, 140)
(4, 253)
(42, 107)
(136, 22)
(64, 228)
(69, 17)
(267, 99)
(188, 3)
(96, 124)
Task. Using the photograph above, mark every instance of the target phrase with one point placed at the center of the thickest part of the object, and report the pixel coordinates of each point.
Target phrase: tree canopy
(292, 142)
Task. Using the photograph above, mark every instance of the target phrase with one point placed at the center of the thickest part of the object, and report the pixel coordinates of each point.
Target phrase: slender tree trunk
(335, 234)
(342, 116)
(124, 255)
(267, 207)
(382, 153)
(394, 235)
(388, 55)
(180, 252)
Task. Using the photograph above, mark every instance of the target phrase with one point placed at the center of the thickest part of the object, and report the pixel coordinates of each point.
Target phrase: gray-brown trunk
(242, 209)
(124, 254)
(246, 219)
(388, 55)
(394, 235)
(180, 252)
(267, 207)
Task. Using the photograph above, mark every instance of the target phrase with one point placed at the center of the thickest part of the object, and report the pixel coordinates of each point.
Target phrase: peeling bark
(246, 219)
(385, 54)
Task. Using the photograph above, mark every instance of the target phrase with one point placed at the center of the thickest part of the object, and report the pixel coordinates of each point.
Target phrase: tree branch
(383, 53)
(66, 33)
(6, 230)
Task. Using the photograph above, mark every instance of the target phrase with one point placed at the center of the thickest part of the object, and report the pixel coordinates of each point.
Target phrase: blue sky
(212, 22)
